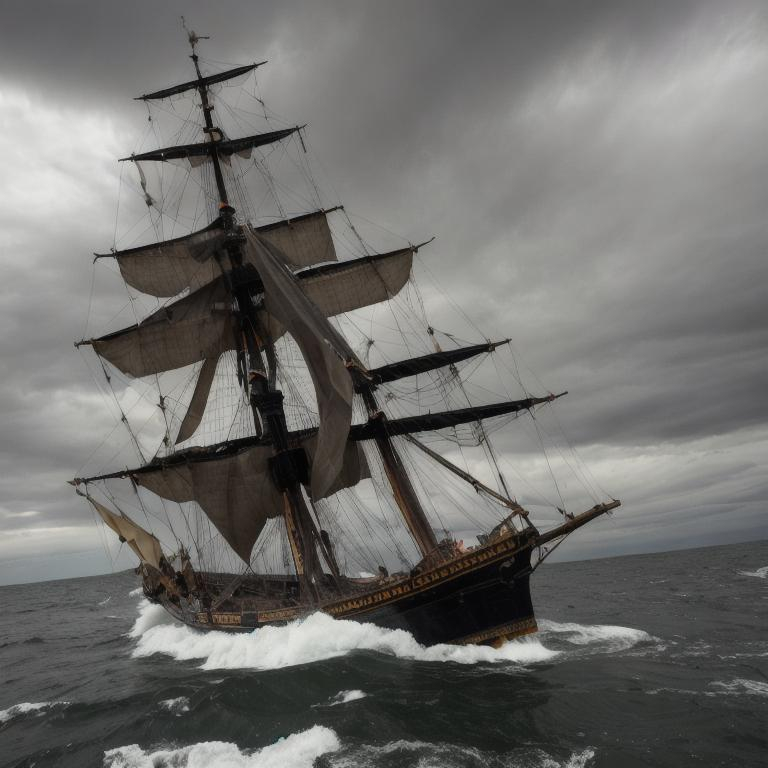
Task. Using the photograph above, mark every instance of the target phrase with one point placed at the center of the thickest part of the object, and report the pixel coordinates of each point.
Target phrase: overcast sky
(596, 173)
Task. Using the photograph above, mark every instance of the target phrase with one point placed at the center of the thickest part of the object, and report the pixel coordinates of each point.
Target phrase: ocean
(647, 660)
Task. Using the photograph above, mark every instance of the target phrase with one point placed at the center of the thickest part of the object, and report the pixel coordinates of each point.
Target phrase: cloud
(595, 175)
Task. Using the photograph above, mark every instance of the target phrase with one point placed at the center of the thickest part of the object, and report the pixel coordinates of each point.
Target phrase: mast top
(193, 37)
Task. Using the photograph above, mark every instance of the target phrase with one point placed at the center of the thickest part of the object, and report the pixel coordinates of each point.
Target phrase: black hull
(482, 598)
(487, 605)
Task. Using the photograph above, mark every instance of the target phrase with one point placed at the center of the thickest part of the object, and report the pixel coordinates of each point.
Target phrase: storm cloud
(596, 174)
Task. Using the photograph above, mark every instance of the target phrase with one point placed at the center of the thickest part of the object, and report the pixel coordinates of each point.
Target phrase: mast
(404, 492)
(207, 108)
(266, 402)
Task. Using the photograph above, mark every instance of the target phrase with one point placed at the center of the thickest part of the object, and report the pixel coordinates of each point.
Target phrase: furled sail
(430, 421)
(144, 544)
(225, 148)
(415, 365)
(219, 77)
(358, 432)
(324, 350)
(170, 267)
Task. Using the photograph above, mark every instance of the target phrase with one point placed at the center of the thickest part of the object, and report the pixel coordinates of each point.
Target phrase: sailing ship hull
(486, 606)
(482, 597)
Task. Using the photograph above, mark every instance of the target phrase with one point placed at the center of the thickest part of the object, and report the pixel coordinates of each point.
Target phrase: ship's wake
(299, 750)
(319, 637)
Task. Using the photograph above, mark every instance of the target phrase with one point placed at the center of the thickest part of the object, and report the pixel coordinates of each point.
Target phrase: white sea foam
(344, 697)
(445, 755)
(314, 638)
(150, 616)
(177, 706)
(429, 755)
(26, 708)
(299, 750)
(760, 573)
(604, 636)
(580, 759)
(138, 592)
(741, 686)
(105, 601)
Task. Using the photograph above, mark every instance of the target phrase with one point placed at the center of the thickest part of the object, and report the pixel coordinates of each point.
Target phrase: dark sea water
(651, 660)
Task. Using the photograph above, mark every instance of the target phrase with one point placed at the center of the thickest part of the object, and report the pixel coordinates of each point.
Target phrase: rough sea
(648, 660)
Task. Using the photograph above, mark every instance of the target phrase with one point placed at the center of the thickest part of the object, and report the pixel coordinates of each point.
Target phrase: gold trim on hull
(499, 635)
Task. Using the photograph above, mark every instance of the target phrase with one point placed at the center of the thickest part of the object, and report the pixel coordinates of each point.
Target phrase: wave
(741, 686)
(736, 687)
(445, 755)
(150, 616)
(138, 592)
(34, 640)
(760, 573)
(176, 706)
(25, 708)
(344, 697)
(299, 750)
(314, 638)
(603, 637)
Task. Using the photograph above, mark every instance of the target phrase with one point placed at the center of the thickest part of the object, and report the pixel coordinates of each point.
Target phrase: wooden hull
(481, 596)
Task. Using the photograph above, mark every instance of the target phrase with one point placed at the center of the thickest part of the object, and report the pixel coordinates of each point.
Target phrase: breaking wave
(601, 637)
(299, 750)
(760, 573)
(176, 706)
(741, 686)
(444, 755)
(319, 637)
(26, 708)
(344, 697)
(315, 638)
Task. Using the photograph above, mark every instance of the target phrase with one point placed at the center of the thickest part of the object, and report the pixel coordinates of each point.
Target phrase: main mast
(266, 401)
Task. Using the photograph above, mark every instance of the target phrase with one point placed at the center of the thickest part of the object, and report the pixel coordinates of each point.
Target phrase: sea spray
(312, 639)
(177, 706)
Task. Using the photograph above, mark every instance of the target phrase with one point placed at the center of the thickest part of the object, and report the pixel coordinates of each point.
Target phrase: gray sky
(595, 173)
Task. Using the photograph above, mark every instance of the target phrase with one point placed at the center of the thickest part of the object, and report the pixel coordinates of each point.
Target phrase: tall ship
(321, 446)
